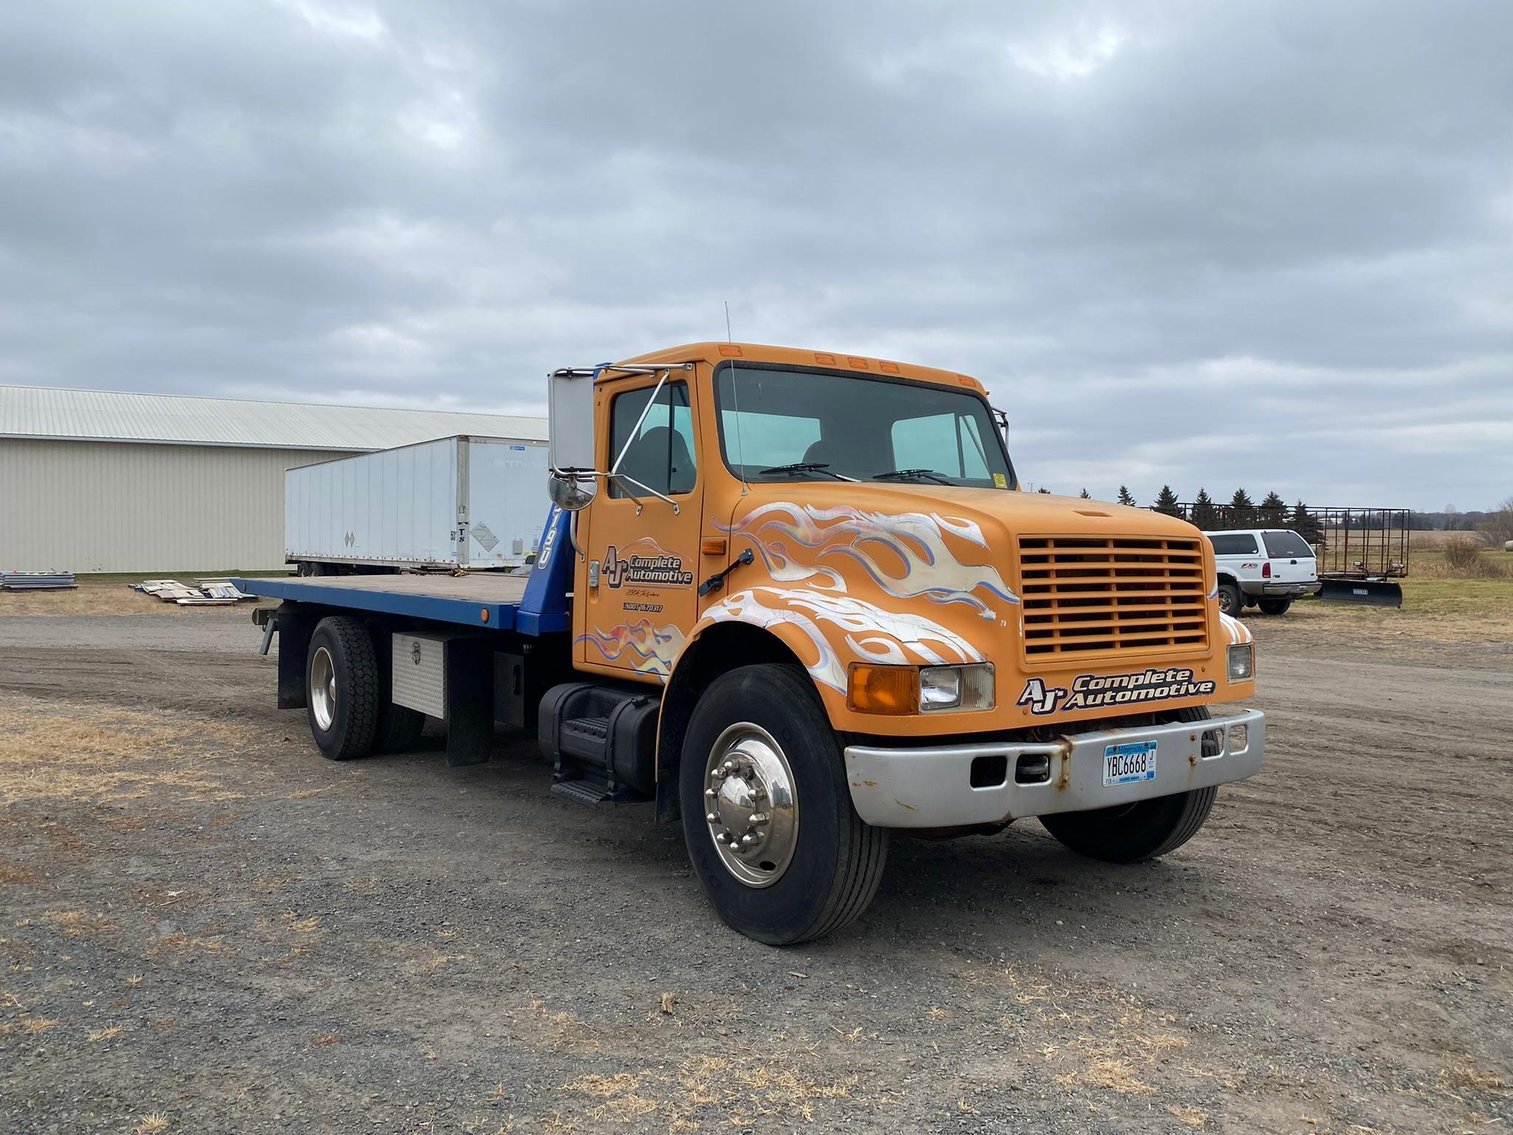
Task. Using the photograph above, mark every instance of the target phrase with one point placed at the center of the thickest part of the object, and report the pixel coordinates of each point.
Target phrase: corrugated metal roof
(170, 419)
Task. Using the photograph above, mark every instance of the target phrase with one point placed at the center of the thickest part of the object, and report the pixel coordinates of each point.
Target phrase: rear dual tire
(346, 694)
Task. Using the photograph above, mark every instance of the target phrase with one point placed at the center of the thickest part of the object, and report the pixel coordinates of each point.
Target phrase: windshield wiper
(915, 474)
(805, 467)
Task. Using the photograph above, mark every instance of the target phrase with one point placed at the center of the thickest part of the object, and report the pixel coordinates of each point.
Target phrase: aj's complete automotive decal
(1107, 691)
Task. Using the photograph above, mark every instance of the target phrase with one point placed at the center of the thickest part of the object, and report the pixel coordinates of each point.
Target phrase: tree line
(1240, 512)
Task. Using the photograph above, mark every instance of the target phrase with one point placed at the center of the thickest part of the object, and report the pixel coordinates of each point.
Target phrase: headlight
(901, 690)
(956, 687)
(1242, 662)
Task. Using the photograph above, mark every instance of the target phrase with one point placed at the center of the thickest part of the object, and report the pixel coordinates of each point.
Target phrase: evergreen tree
(1125, 497)
(1166, 501)
(1273, 509)
(1240, 511)
(1085, 495)
(1305, 524)
(1205, 515)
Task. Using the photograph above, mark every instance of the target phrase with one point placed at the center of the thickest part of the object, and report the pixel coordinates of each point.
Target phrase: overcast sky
(1261, 244)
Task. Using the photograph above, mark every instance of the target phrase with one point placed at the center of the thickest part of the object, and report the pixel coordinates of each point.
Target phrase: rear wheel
(1129, 833)
(1274, 606)
(767, 815)
(342, 688)
(1231, 599)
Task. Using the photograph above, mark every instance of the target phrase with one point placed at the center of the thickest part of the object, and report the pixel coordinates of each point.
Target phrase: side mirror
(570, 408)
(571, 494)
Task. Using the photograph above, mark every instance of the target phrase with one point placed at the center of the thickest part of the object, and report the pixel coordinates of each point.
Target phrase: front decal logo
(652, 571)
(1106, 691)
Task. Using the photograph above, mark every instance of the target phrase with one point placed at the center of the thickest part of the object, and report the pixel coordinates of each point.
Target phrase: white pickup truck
(1262, 567)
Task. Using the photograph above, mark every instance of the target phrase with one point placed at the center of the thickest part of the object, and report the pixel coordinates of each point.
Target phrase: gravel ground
(207, 928)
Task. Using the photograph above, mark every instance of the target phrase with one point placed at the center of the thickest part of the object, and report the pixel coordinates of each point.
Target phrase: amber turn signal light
(883, 689)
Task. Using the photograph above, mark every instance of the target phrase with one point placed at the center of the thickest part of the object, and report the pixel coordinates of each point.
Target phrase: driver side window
(661, 449)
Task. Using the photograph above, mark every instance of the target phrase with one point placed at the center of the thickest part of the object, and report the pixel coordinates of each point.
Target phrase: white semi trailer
(443, 505)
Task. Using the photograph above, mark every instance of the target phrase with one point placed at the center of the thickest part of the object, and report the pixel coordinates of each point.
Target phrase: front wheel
(767, 814)
(1274, 606)
(1129, 833)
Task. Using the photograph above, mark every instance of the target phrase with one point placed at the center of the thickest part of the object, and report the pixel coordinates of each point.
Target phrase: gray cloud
(1259, 244)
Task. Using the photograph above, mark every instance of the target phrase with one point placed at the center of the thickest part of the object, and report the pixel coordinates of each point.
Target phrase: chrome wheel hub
(749, 804)
(323, 687)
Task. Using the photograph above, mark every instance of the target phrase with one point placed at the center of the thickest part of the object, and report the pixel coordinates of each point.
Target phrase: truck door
(640, 597)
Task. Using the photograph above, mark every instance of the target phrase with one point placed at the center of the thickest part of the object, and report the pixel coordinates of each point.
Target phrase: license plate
(1129, 763)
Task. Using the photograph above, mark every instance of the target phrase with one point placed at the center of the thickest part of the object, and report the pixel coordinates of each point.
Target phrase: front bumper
(932, 786)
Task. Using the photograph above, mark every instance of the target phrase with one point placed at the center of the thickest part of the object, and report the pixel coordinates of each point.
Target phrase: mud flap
(1371, 592)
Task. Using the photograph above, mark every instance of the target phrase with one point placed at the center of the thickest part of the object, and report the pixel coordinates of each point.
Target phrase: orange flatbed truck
(797, 601)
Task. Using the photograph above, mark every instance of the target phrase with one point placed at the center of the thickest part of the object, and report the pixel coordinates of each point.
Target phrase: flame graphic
(832, 621)
(650, 650)
(904, 554)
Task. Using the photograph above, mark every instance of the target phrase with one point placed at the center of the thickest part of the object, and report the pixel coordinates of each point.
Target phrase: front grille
(1087, 595)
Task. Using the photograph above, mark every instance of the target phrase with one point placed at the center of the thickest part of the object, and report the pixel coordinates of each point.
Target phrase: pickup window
(1286, 545)
(1234, 544)
(778, 423)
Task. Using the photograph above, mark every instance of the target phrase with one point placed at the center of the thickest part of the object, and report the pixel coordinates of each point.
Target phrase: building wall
(89, 506)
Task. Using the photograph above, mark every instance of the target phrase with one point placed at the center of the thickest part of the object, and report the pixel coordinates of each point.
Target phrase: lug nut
(722, 837)
(713, 817)
(759, 817)
(710, 794)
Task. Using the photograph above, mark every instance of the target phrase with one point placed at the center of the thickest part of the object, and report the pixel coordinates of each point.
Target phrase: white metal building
(92, 481)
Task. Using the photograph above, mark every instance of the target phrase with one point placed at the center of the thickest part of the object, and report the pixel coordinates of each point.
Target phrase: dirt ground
(204, 927)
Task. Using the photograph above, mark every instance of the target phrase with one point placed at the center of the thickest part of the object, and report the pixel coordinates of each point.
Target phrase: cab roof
(715, 353)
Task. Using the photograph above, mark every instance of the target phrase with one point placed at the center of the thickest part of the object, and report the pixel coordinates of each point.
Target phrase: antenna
(728, 337)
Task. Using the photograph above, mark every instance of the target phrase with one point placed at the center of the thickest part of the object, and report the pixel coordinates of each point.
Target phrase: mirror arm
(628, 480)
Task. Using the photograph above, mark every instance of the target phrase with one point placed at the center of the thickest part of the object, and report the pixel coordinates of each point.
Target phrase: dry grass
(151, 1124)
(1465, 1075)
(79, 923)
(105, 1034)
(12, 875)
(108, 596)
(326, 1040)
(50, 753)
(1435, 609)
(703, 1093)
(1193, 1117)
(180, 943)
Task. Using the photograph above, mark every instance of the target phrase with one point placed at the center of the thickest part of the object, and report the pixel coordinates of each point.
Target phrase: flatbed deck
(491, 600)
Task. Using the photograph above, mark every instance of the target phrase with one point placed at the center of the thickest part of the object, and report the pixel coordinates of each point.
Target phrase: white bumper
(992, 782)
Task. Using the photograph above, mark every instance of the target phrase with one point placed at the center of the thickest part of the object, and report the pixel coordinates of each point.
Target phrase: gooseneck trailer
(797, 602)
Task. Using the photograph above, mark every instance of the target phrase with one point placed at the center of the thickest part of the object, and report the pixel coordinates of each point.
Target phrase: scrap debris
(204, 592)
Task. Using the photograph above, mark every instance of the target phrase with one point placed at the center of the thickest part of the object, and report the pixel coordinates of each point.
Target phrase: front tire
(767, 816)
(342, 688)
(1146, 829)
(1274, 606)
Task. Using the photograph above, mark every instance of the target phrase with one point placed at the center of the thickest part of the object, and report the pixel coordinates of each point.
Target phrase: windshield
(785, 425)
